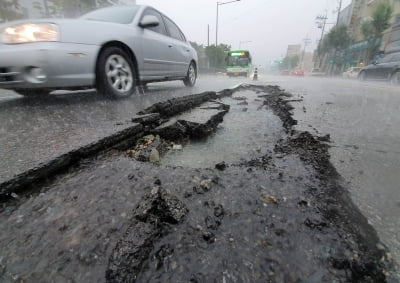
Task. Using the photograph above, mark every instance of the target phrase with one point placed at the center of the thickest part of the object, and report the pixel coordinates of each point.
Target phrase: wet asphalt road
(364, 124)
(362, 119)
(34, 131)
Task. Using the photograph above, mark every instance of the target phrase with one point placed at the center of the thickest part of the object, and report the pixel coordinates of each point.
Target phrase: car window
(396, 58)
(173, 30)
(121, 15)
(161, 27)
(386, 59)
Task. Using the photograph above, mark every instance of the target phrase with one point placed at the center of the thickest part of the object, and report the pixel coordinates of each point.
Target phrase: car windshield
(238, 61)
(120, 15)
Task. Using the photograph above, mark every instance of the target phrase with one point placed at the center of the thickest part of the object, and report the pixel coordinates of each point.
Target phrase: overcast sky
(270, 25)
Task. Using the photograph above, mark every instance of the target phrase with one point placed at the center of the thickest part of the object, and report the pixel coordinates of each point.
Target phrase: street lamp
(240, 42)
(216, 26)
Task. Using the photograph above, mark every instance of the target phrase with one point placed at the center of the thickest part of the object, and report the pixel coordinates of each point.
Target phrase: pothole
(248, 130)
(233, 129)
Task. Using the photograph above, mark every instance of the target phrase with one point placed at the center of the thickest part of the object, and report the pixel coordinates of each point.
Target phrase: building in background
(293, 49)
(362, 11)
(393, 43)
(346, 14)
(359, 50)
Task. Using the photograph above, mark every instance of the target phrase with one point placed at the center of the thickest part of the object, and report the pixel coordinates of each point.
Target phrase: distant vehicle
(299, 73)
(351, 73)
(316, 72)
(238, 63)
(285, 72)
(114, 49)
(386, 68)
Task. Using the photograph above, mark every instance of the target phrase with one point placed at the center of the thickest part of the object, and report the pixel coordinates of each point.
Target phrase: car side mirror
(149, 21)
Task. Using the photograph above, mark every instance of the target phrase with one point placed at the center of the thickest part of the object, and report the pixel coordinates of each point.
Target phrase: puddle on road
(248, 130)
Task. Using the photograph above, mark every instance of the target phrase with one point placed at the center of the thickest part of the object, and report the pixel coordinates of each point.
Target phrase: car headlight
(25, 33)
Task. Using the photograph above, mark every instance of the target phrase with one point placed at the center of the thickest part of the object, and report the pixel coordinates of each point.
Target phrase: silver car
(113, 49)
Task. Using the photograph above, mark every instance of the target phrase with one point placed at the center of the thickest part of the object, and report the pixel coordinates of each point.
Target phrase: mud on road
(275, 212)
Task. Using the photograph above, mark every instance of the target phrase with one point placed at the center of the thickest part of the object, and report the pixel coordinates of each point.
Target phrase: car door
(180, 47)
(380, 69)
(390, 66)
(158, 58)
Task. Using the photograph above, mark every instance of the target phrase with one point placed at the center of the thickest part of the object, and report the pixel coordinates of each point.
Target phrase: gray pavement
(364, 124)
(362, 119)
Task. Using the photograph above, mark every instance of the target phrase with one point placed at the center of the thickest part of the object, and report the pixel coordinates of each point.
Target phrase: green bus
(238, 63)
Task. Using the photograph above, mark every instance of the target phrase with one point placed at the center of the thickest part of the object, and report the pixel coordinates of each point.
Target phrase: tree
(201, 53)
(381, 18)
(9, 10)
(289, 62)
(373, 29)
(367, 29)
(198, 47)
(217, 55)
(338, 38)
(335, 40)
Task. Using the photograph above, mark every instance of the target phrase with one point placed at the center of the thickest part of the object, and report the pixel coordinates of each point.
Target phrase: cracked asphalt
(361, 119)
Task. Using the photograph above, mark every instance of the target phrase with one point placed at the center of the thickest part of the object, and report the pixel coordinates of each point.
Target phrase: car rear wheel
(190, 79)
(33, 92)
(395, 78)
(361, 76)
(115, 73)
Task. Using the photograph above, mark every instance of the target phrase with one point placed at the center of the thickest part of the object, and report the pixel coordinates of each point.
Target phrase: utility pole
(208, 35)
(338, 14)
(306, 41)
(321, 22)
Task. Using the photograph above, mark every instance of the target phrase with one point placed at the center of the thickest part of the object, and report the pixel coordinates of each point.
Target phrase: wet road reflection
(35, 130)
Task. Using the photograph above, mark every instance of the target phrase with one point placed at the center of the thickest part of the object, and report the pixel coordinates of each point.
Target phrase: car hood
(368, 67)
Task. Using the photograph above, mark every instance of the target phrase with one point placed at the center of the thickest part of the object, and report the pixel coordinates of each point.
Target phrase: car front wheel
(115, 73)
(190, 79)
(395, 78)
